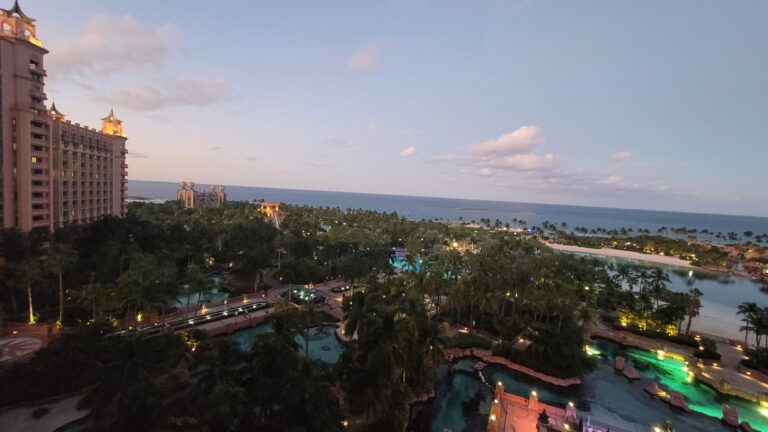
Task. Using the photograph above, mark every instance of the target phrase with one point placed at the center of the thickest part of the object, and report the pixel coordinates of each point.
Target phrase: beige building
(193, 198)
(53, 172)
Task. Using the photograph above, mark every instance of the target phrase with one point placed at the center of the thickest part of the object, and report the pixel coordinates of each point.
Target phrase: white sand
(660, 259)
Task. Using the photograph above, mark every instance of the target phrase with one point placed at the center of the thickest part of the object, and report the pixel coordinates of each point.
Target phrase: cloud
(320, 164)
(610, 180)
(486, 172)
(408, 152)
(515, 142)
(364, 61)
(137, 155)
(109, 43)
(622, 156)
(251, 158)
(216, 148)
(522, 162)
(185, 91)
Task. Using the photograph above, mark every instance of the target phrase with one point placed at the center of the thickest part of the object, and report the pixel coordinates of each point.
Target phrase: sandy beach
(660, 259)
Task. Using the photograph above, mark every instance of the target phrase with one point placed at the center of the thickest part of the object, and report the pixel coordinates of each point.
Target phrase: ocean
(417, 208)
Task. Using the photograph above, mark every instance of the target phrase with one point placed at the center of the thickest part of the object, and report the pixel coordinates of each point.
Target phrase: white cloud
(610, 180)
(515, 142)
(185, 91)
(486, 172)
(410, 151)
(364, 61)
(522, 162)
(622, 156)
(111, 43)
(137, 155)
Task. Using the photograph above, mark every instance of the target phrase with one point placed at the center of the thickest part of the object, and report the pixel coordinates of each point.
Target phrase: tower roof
(111, 117)
(54, 111)
(17, 10)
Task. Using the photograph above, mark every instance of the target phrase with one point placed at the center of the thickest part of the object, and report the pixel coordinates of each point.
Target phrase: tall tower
(25, 151)
(111, 125)
(53, 172)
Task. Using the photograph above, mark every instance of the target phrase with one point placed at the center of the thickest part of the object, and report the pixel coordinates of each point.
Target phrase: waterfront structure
(52, 172)
(193, 198)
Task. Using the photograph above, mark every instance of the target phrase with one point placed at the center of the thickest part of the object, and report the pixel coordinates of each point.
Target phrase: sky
(653, 105)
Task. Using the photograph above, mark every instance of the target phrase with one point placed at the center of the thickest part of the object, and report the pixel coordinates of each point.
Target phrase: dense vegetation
(504, 285)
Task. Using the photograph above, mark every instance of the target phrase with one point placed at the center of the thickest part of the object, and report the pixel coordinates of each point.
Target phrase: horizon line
(468, 199)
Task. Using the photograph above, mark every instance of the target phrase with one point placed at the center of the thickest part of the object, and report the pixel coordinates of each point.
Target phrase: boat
(619, 363)
(677, 400)
(730, 415)
(631, 374)
(654, 390)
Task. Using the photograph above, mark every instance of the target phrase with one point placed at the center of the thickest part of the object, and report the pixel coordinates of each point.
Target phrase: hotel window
(34, 159)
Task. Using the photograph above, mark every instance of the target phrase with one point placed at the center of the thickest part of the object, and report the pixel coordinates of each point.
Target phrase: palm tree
(693, 307)
(58, 259)
(749, 311)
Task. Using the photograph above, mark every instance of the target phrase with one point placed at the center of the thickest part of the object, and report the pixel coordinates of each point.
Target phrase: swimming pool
(604, 395)
(323, 343)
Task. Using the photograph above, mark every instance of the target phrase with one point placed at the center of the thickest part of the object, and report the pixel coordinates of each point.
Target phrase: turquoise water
(604, 395)
(323, 343)
(700, 398)
(457, 387)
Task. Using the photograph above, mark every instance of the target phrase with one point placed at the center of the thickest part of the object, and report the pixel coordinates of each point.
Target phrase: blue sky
(657, 105)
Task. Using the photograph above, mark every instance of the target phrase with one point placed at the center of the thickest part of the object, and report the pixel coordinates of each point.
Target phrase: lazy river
(462, 400)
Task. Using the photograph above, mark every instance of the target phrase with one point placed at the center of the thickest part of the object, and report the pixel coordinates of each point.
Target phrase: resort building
(272, 213)
(52, 172)
(192, 198)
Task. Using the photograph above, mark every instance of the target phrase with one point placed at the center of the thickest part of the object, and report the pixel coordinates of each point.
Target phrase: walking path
(487, 357)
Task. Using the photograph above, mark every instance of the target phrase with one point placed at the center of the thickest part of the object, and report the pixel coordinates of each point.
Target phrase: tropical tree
(693, 306)
(58, 259)
(749, 311)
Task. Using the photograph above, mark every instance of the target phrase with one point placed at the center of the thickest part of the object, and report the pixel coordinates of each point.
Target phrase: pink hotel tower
(53, 172)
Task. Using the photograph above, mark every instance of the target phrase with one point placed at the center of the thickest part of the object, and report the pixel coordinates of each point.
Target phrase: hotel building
(53, 172)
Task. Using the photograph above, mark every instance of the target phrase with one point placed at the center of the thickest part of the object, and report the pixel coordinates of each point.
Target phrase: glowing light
(139, 317)
(660, 354)
(764, 412)
(533, 393)
(570, 404)
(493, 417)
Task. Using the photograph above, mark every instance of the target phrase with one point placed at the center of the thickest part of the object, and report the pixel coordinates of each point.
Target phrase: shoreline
(618, 253)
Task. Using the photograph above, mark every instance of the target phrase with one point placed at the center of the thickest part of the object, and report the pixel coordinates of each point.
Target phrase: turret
(56, 114)
(111, 125)
(15, 23)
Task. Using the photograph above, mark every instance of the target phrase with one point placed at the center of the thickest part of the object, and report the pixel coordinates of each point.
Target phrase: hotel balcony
(36, 91)
(35, 69)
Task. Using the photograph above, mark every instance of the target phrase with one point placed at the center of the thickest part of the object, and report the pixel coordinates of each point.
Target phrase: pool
(461, 403)
(604, 395)
(323, 343)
